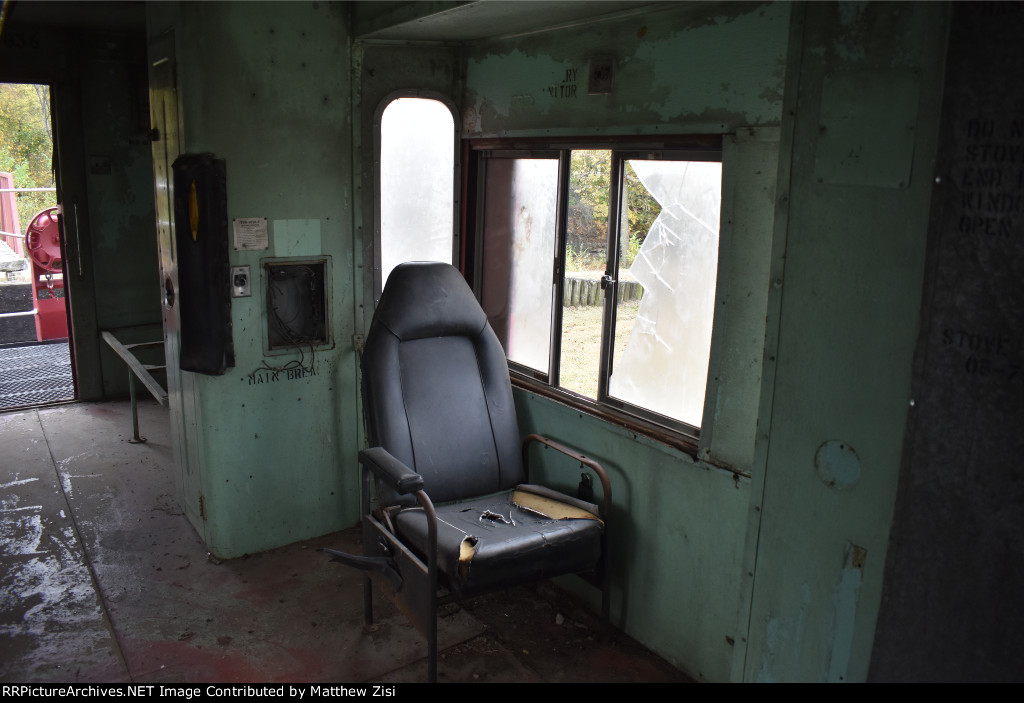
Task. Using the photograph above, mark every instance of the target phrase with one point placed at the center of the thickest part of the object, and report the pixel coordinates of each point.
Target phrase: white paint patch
(65, 476)
(844, 601)
(18, 482)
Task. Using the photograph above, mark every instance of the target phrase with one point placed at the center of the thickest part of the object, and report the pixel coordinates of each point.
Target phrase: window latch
(606, 281)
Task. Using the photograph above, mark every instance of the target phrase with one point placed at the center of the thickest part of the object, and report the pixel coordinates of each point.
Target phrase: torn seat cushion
(501, 540)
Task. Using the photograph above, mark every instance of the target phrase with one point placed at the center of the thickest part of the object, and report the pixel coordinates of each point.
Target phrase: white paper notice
(250, 233)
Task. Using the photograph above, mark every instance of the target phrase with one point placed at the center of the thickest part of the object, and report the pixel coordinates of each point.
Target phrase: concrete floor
(104, 580)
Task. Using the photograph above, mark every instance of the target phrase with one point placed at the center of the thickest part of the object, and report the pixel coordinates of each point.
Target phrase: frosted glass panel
(664, 365)
(520, 226)
(417, 183)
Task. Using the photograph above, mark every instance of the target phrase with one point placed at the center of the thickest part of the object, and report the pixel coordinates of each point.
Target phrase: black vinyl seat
(498, 541)
(453, 506)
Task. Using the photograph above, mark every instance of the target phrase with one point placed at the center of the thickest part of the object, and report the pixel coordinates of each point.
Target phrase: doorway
(35, 354)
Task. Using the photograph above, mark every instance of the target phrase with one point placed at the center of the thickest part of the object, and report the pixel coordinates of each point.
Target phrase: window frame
(633, 417)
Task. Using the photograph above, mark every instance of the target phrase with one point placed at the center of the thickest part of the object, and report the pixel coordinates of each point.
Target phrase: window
(417, 183)
(597, 270)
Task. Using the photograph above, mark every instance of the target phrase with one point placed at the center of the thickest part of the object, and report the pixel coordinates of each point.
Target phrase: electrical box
(297, 303)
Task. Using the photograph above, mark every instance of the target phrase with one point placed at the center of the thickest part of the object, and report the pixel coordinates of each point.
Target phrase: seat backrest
(436, 391)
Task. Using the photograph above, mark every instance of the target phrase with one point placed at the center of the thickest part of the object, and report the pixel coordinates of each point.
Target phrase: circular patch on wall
(837, 464)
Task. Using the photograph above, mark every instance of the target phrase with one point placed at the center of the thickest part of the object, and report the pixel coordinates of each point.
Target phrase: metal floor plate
(35, 374)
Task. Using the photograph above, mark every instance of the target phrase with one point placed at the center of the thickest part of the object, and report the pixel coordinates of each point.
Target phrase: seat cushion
(499, 541)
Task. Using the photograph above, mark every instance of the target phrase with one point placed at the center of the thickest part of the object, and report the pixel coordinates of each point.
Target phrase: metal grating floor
(35, 374)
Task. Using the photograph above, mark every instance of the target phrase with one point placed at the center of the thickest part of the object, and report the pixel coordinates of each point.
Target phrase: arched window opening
(417, 183)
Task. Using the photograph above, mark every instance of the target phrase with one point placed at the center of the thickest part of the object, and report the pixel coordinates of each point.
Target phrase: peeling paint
(848, 51)
(513, 75)
(850, 12)
(685, 59)
(783, 637)
(719, 72)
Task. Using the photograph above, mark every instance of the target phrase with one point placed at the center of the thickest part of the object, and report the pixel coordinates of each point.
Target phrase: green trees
(587, 234)
(26, 144)
(641, 211)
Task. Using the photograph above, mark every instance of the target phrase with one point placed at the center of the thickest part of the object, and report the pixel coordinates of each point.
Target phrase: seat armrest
(606, 486)
(397, 475)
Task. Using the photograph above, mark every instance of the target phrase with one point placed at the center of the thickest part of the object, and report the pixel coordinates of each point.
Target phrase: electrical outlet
(241, 282)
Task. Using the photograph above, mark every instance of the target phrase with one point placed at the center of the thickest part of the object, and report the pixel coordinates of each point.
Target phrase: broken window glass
(664, 365)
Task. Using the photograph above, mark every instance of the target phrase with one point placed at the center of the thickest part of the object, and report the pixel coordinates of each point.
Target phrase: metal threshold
(35, 374)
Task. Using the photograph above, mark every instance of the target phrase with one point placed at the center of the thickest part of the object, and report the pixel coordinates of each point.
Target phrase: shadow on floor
(104, 580)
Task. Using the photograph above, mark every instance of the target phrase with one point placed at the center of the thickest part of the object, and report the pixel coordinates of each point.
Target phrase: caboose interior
(839, 503)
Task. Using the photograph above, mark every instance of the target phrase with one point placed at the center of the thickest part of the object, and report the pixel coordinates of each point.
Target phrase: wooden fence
(587, 291)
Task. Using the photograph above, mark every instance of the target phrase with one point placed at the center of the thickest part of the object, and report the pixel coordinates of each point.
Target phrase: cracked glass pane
(417, 184)
(520, 228)
(664, 365)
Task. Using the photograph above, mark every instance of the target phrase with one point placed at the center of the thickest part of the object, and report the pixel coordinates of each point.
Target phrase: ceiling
(483, 19)
(424, 21)
(99, 15)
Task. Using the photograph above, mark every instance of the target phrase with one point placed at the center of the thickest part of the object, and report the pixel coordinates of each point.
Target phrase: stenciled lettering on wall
(21, 41)
(567, 88)
(991, 178)
(996, 355)
(261, 377)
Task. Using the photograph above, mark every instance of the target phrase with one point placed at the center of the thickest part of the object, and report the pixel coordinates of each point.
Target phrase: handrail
(136, 369)
(606, 486)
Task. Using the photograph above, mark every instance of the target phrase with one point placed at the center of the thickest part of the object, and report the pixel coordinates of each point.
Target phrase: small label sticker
(250, 233)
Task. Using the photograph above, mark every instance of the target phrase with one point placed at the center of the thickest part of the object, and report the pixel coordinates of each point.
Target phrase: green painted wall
(276, 457)
(864, 133)
(705, 68)
(676, 536)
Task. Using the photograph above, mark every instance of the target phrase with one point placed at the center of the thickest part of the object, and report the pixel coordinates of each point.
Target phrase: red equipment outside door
(42, 245)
